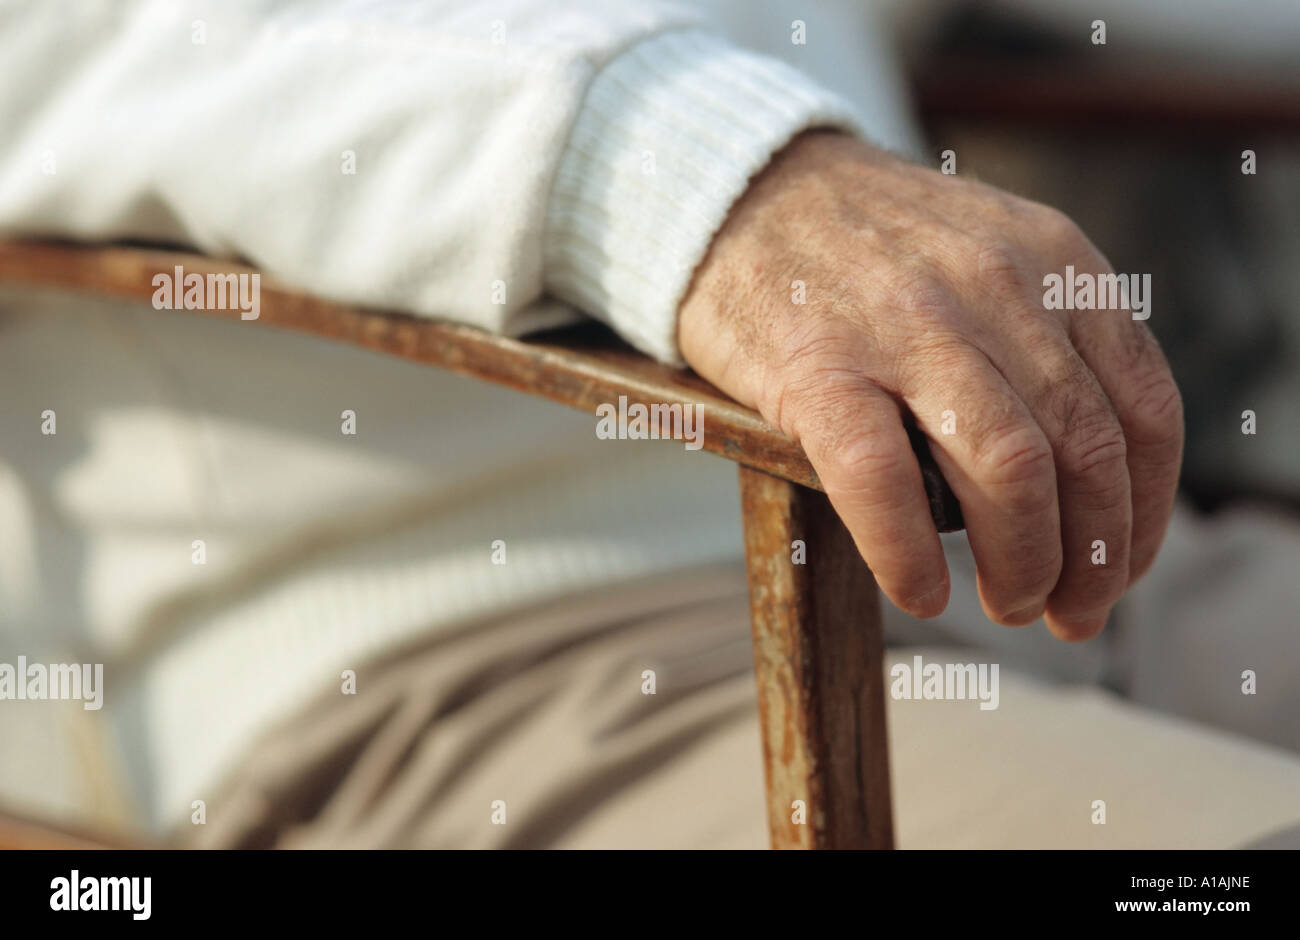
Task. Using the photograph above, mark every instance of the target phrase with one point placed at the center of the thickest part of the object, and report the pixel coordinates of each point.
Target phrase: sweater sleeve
(449, 158)
(388, 154)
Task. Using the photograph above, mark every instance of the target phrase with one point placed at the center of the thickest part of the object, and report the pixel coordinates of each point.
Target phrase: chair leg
(818, 656)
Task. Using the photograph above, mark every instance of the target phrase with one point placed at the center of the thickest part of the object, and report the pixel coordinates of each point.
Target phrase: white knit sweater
(585, 151)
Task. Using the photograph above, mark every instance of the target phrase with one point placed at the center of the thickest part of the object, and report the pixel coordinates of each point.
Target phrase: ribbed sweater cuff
(668, 137)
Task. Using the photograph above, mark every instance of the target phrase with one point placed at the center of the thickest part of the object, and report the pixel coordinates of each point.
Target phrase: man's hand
(924, 291)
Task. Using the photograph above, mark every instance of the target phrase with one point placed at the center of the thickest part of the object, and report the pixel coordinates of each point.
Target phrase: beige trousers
(628, 719)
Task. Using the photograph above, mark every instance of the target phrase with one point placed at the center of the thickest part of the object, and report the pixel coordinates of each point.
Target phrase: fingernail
(1076, 630)
(920, 604)
(1023, 618)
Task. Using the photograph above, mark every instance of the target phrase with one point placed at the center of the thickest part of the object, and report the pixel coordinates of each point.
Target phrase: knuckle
(1157, 412)
(923, 293)
(1053, 227)
(1019, 457)
(1094, 448)
(816, 409)
(808, 377)
(859, 464)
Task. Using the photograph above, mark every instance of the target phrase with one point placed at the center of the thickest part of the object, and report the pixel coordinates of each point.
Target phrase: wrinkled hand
(924, 291)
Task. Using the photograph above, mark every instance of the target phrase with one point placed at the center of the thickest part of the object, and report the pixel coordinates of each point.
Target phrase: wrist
(752, 264)
(669, 136)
